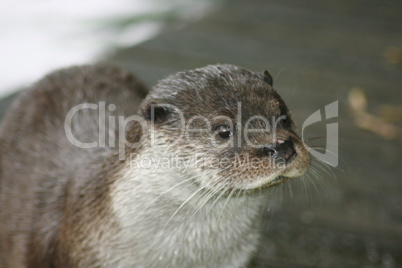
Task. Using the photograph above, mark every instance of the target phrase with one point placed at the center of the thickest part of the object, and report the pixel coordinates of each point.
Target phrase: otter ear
(268, 78)
(155, 112)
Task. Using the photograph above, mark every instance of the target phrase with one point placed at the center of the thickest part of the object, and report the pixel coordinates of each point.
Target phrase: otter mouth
(275, 182)
(278, 180)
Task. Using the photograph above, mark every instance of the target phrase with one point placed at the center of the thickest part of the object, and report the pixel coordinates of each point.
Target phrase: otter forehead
(223, 88)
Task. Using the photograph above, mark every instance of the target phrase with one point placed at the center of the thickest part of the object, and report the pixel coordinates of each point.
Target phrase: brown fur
(51, 206)
(64, 206)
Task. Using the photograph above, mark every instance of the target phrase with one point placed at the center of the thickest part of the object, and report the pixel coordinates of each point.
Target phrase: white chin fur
(294, 172)
(259, 182)
(262, 181)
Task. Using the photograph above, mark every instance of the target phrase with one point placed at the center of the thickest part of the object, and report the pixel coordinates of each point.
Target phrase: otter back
(37, 160)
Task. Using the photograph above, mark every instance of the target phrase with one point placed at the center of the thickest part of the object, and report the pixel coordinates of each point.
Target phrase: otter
(97, 171)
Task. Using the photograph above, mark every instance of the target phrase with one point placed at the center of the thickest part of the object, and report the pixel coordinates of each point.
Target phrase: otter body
(96, 172)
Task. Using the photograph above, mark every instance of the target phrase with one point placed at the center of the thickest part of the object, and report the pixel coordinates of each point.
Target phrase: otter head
(228, 126)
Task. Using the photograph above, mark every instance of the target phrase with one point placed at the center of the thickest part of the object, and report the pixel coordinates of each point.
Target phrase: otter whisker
(290, 190)
(226, 202)
(326, 149)
(242, 194)
(305, 186)
(318, 165)
(170, 189)
(181, 206)
(223, 190)
(314, 185)
(207, 197)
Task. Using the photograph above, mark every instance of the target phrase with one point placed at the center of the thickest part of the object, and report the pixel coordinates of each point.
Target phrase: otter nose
(280, 149)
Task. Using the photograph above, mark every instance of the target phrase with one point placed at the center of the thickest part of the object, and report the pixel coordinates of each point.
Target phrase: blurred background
(49, 34)
(318, 51)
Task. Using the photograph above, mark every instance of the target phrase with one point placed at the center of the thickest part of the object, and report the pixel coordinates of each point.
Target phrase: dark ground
(319, 51)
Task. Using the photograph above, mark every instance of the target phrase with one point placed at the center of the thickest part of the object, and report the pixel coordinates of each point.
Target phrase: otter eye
(224, 132)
